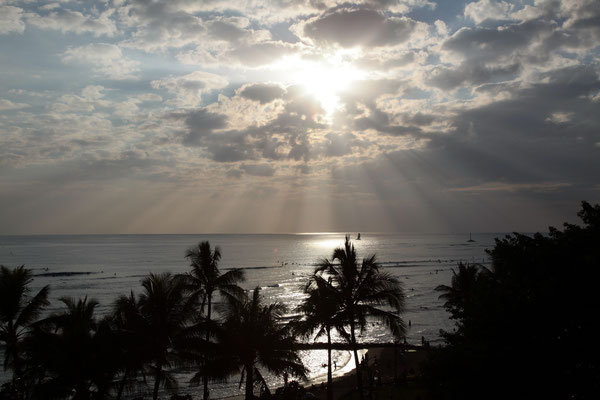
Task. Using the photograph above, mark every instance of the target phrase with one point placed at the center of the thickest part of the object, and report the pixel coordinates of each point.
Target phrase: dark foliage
(202, 281)
(527, 328)
(360, 291)
(253, 334)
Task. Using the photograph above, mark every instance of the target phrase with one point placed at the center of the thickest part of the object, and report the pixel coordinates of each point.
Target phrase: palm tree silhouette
(320, 314)
(168, 315)
(253, 334)
(360, 291)
(66, 350)
(131, 334)
(203, 280)
(17, 312)
(462, 292)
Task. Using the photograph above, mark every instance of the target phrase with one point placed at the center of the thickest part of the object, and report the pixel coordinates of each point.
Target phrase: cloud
(160, 25)
(493, 44)
(105, 59)
(201, 123)
(11, 20)
(284, 136)
(362, 27)
(255, 55)
(514, 141)
(9, 105)
(189, 88)
(471, 74)
(482, 10)
(258, 169)
(513, 187)
(74, 21)
(262, 92)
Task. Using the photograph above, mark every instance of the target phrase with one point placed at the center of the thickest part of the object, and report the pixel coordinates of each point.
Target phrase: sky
(297, 116)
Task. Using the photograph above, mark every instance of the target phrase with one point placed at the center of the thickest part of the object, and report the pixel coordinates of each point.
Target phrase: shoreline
(388, 364)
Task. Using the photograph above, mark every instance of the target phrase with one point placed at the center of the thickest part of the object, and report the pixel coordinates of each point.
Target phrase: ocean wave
(256, 267)
(62, 274)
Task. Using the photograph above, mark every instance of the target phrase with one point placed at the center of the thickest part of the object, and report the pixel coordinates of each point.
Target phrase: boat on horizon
(470, 238)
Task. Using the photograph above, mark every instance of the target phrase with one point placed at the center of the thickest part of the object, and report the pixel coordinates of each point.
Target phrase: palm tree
(320, 313)
(204, 279)
(252, 334)
(65, 347)
(17, 312)
(461, 291)
(168, 315)
(131, 333)
(360, 292)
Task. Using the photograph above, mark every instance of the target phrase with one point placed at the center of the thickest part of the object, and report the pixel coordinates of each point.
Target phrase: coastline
(383, 362)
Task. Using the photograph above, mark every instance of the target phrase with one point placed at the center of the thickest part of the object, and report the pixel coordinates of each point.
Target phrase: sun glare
(325, 79)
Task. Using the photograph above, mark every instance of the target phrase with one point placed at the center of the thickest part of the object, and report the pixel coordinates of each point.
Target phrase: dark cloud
(518, 140)
(362, 27)
(469, 73)
(229, 152)
(201, 123)
(491, 44)
(258, 169)
(568, 25)
(384, 123)
(262, 92)
(420, 119)
(226, 31)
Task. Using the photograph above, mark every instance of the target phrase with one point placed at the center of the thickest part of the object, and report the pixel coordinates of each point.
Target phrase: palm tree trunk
(157, 381)
(205, 377)
(11, 350)
(329, 375)
(356, 360)
(249, 381)
(122, 384)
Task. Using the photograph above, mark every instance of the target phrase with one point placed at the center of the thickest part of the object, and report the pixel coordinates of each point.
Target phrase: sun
(325, 79)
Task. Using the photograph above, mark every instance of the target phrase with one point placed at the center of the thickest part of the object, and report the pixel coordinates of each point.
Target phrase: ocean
(104, 266)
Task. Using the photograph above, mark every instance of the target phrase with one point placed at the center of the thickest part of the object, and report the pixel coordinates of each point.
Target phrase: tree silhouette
(460, 295)
(17, 312)
(319, 312)
(203, 280)
(251, 335)
(66, 350)
(360, 291)
(526, 326)
(131, 340)
(168, 315)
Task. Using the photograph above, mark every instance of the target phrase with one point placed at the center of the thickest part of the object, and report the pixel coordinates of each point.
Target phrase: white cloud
(105, 59)
(11, 20)
(9, 105)
(74, 21)
(482, 10)
(190, 88)
(560, 117)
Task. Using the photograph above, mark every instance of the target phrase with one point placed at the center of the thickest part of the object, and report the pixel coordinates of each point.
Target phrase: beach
(391, 369)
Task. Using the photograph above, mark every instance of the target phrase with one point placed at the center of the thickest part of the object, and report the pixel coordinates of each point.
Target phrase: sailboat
(358, 237)
(470, 238)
